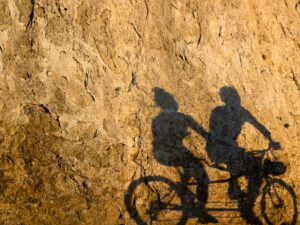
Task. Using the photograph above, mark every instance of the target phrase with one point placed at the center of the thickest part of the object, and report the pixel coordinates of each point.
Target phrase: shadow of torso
(169, 129)
(225, 126)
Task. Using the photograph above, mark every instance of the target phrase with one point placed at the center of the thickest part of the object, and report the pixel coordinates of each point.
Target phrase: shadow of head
(164, 100)
(230, 96)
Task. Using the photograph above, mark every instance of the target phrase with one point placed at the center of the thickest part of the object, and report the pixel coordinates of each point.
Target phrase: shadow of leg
(202, 193)
(246, 204)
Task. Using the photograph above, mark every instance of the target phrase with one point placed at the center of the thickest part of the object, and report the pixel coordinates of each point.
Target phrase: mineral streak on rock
(78, 108)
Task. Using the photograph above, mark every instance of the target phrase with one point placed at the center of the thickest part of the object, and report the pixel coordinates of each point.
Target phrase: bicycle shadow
(170, 127)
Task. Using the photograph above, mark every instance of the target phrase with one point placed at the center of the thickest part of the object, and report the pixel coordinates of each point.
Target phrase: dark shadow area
(170, 127)
(225, 125)
(4, 181)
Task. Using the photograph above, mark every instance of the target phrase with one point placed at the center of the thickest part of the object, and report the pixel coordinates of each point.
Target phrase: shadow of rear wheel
(155, 200)
(278, 203)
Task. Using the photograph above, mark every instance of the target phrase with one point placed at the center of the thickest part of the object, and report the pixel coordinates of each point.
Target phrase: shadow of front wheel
(279, 203)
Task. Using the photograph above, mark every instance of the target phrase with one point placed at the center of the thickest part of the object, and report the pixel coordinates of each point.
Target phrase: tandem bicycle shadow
(159, 200)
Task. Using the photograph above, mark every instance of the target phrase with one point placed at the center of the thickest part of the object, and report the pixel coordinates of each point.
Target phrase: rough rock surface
(77, 101)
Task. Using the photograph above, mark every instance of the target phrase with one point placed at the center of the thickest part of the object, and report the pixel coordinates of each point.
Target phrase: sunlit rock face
(107, 103)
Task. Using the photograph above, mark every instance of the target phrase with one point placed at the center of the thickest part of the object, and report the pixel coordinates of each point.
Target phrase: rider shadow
(225, 125)
(170, 128)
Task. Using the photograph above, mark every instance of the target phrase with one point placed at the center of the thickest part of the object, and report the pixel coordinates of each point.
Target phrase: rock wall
(78, 104)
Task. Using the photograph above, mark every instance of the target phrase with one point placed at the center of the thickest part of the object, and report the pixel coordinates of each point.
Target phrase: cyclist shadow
(225, 126)
(170, 127)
